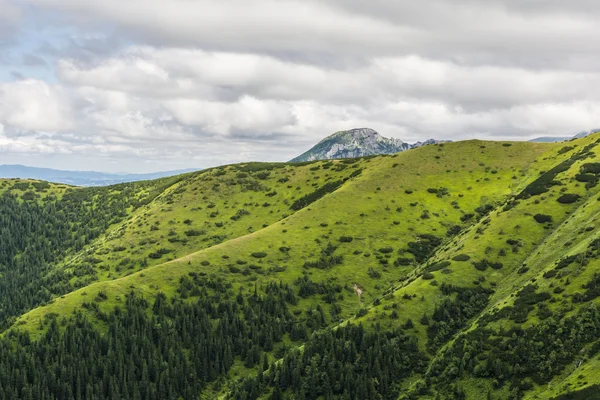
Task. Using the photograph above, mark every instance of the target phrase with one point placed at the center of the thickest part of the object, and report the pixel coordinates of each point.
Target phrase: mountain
(359, 142)
(461, 270)
(79, 178)
(550, 139)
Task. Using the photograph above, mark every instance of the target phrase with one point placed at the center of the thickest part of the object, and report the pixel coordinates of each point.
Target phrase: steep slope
(435, 252)
(42, 223)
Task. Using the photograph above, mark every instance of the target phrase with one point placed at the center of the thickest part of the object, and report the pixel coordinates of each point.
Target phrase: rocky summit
(358, 142)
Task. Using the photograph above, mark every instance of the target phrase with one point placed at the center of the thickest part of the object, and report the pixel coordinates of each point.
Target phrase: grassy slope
(197, 213)
(375, 209)
(542, 245)
(19, 187)
(364, 208)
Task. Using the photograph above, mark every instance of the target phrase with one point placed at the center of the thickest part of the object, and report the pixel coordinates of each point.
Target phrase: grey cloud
(32, 60)
(473, 32)
(172, 74)
(201, 83)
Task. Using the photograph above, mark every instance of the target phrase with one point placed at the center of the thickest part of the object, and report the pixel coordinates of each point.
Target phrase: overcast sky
(141, 85)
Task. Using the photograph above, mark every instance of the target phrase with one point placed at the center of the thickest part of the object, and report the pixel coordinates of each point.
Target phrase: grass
(393, 201)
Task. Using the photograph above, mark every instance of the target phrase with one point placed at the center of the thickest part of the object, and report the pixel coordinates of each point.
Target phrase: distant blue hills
(81, 178)
(553, 139)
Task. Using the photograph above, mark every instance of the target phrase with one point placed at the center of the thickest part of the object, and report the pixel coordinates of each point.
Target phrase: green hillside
(457, 270)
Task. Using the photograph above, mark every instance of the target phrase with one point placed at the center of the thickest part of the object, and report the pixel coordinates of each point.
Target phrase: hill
(353, 143)
(456, 270)
(79, 178)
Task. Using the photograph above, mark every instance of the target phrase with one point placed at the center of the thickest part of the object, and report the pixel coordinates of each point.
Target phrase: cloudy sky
(147, 85)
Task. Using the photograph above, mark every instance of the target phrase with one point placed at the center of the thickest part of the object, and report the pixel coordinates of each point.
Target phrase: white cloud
(247, 115)
(34, 105)
(202, 83)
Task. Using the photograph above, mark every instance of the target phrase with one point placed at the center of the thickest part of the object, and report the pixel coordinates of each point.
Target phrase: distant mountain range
(553, 139)
(357, 143)
(80, 178)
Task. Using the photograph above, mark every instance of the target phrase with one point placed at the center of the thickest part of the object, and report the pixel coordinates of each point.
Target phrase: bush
(346, 239)
(542, 218)
(428, 276)
(568, 198)
(484, 264)
(194, 232)
(262, 175)
(259, 254)
(316, 195)
(374, 273)
(466, 217)
(205, 263)
(461, 257)
(565, 149)
(402, 261)
(453, 230)
(438, 266)
(550, 274)
(422, 249)
(361, 313)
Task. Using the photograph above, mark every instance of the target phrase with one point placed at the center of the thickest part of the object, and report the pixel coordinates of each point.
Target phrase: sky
(150, 85)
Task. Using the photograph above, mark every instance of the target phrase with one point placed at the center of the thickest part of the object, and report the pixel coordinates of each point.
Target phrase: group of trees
(35, 236)
(521, 356)
(349, 362)
(159, 349)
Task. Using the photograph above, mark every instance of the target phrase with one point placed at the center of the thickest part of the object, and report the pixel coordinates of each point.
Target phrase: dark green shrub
(461, 257)
(522, 270)
(374, 273)
(316, 195)
(424, 247)
(466, 217)
(259, 254)
(565, 149)
(346, 239)
(401, 261)
(453, 230)
(263, 175)
(438, 266)
(568, 198)
(550, 274)
(361, 313)
(542, 218)
(194, 232)
(428, 276)
(484, 264)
